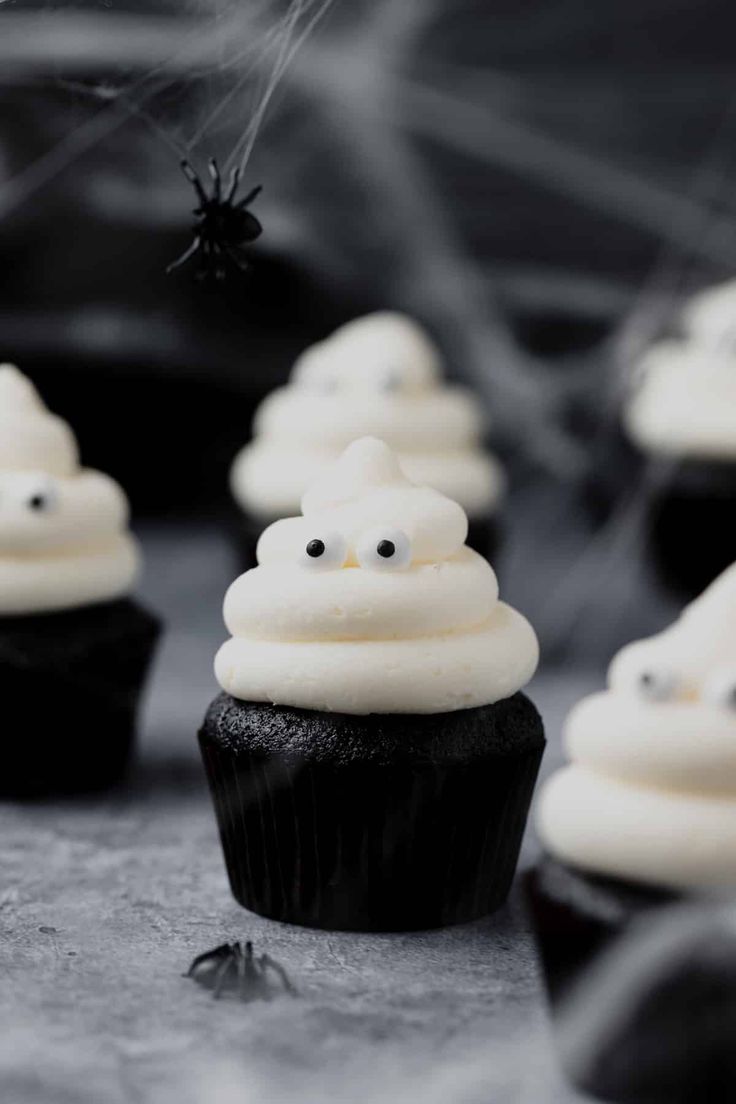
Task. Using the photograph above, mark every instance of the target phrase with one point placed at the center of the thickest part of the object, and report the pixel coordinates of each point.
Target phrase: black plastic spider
(223, 228)
(228, 968)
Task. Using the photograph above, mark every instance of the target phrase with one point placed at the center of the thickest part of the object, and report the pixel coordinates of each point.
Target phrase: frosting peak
(30, 436)
(370, 602)
(651, 791)
(63, 539)
(379, 376)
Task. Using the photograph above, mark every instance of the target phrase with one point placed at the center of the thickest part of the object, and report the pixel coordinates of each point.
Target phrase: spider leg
(221, 976)
(216, 954)
(233, 186)
(193, 178)
(269, 963)
(242, 973)
(186, 255)
(250, 196)
(216, 181)
(239, 262)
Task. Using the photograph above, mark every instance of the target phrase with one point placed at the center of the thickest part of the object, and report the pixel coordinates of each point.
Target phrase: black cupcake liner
(624, 987)
(693, 538)
(484, 535)
(655, 1022)
(577, 916)
(70, 683)
(375, 823)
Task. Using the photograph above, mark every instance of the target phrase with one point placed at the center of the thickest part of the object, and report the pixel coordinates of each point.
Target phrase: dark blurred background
(535, 181)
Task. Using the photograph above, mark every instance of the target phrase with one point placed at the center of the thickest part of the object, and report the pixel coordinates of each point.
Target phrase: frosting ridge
(377, 375)
(650, 793)
(371, 602)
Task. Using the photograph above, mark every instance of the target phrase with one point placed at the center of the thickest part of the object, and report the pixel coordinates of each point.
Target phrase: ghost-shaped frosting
(684, 404)
(378, 376)
(63, 529)
(372, 603)
(650, 794)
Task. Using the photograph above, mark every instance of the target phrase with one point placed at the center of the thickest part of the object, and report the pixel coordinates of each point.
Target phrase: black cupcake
(377, 375)
(644, 817)
(74, 649)
(655, 1021)
(683, 416)
(371, 760)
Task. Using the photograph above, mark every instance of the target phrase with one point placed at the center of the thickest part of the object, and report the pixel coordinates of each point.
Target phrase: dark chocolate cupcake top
(64, 539)
(372, 603)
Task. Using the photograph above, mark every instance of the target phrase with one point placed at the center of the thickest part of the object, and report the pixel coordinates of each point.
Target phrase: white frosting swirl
(650, 794)
(685, 404)
(63, 538)
(394, 615)
(379, 376)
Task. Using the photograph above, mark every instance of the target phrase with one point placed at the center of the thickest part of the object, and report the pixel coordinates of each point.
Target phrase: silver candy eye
(656, 685)
(324, 553)
(38, 495)
(720, 690)
(384, 549)
(391, 381)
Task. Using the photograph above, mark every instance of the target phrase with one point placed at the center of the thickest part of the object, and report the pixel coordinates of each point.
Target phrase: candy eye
(391, 381)
(384, 550)
(324, 553)
(656, 685)
(38, 496)
(721, 690)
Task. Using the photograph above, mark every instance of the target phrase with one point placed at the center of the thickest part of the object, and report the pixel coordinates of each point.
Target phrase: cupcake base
(69, 684)
(484, 535)
(655, 1023)
(371, 823)
(577, 916)
(693, 538)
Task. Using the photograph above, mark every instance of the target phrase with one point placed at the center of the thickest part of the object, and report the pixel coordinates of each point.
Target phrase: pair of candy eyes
(390, 381)
(382, 549)
(664, 686)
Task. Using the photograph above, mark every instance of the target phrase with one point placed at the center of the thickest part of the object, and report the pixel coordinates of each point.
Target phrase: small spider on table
(229, 968)
(223, 228)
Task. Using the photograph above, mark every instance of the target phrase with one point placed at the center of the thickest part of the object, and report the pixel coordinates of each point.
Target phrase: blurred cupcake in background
(684, 411)
(378, 375)
(654, 1021)
(371, 758)
(645, 814)
(74, 648)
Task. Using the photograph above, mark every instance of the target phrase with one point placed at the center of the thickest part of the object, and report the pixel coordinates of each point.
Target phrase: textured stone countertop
(103, 904)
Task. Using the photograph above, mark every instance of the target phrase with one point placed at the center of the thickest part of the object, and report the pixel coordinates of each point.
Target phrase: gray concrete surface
(103, 903)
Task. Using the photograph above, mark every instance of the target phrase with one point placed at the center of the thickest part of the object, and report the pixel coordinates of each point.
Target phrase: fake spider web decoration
(351, 89)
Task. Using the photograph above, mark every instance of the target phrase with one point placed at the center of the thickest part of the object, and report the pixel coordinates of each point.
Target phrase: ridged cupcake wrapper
(369, 846)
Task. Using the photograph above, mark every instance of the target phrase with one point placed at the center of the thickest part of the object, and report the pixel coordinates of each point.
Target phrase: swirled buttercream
(379, 376)
(372, 603)
(685, 401)
(63, 529)
(650, 793)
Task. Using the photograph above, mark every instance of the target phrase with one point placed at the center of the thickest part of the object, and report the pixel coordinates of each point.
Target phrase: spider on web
(224, 226)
